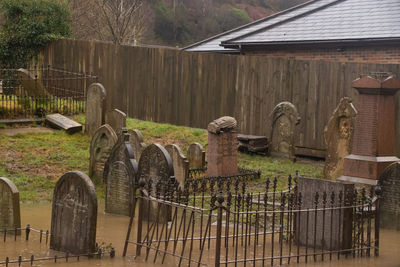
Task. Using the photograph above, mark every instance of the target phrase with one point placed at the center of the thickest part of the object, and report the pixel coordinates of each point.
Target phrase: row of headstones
(120, 161)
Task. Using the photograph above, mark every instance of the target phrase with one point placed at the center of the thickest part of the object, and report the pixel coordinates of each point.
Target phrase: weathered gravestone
(10, 216)
(180, 163)
(222, 147)
(95, 106)
(119, 175)
(59, 121)
(284, 120)
(32, 86)
(196, 156)
(101, 145)
(339, 220)
(389, 183)
(116, 119)
(136, 140)
(155, 164)
(74, 214)
(338, 137)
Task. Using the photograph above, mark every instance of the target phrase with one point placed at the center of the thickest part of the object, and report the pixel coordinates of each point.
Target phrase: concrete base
(357, 180)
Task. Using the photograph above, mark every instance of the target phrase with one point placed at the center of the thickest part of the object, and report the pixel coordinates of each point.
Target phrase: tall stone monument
(120, 177)
(196, 156)
(374, 136)
(95, 107)
(116, 119)
(180, 163)
(282, 140)
(10, 216)
(74, 214)
(338, 137)
(137, 143)
(101, 145)
(389, 182)
(222, 147)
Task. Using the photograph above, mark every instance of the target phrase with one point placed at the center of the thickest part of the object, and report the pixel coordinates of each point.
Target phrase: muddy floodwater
(112, 229)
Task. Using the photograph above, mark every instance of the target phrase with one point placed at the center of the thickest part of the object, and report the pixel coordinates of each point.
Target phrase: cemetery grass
(34, 162)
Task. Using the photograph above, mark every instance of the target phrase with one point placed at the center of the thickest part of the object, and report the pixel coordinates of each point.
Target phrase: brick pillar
(374, 136)
(222, 153)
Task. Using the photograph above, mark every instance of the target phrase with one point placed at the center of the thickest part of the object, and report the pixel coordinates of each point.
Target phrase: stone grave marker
(59, 121)
(10, 216)
(156, 164)
(180, 163)
(74, 214)
(31, 85)
(389, 182)
(119, 174)
(196, 156)
(116, 119)
(341, 221)
(222, 147)
(338, 137)
(136, 140)
(101, 145)
(95, 106)
(284, 120)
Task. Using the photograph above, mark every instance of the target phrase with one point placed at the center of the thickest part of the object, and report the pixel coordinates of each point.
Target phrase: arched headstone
(389, 182)
(196, 156)
(32, 86)
(136, 140)
(10, 216)
(95, 105)
(155, 164)
(101, 145)
(116, 119)
(338, 137)
(119, 175)
(74, 214)
(180, 163)
(282, 141)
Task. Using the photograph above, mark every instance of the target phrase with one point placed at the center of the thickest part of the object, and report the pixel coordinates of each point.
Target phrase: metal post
(220, 199)
(378, 192)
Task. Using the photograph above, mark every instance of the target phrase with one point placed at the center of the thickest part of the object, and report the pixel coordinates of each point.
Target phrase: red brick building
(335, 30)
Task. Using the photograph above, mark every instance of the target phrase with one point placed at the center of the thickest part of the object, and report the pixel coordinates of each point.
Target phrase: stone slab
(59, 121)
(196, 156)
(116, 119)
(10, 216)
(95, 108)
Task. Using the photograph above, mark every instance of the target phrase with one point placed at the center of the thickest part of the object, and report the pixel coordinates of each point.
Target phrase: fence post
(142, 184)
(220, 200)
(378, 192)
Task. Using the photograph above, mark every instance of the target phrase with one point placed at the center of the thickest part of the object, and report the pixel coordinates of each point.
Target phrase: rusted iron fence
(224, 224)
(41, 90)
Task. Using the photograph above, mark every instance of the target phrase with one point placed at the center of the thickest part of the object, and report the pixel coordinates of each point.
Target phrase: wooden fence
(192, 89)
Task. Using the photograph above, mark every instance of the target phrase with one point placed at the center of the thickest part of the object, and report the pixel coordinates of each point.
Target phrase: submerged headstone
(338, 137)
(389, 182)
(222, 147)
(116, 119)
(284, 120)
(136, 140)
(196, 156)
(10, 216)
(101, 145)
(317, 224)
(59, 121)
(119, 175)
(74, 214)
(180, 163)
(155, 164)
(95, 108)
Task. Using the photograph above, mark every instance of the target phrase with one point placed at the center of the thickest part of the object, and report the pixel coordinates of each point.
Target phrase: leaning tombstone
(389, 207)
(314, 227)
(136, 140)
(180, 163)
(338, 138)
(74, 214)
(284, 120)
(101, 145)
(156, 168)
(95, 106)
(119, 175)
(196, 156)
(116, 119)
(32, 86)
(222, 147)
(10, 217)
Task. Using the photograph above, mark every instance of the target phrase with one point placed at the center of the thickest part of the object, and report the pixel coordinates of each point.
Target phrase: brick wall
(381, 54)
